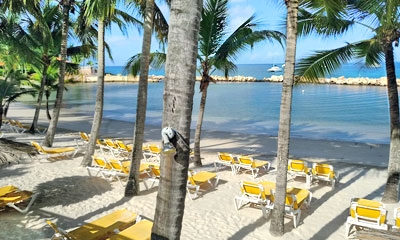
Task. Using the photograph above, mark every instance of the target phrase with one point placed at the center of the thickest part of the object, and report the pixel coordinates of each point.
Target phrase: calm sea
(350, 113)
(259, 71)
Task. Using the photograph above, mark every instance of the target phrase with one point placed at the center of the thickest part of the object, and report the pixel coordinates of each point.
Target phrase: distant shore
(382, 81)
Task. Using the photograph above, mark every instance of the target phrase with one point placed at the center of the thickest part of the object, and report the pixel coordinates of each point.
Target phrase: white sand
(69, 197)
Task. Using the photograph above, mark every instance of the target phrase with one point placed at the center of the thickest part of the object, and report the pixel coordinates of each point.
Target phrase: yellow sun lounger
(255, 193)
(366, 213)
(300, 168)
(138, 231)
(324, 172)
(152, 152)
(99, 229)
(10, 196)
(225, 159)
(295, 199)
(123, 149)
(52, 152)
(197, 180)
(254, 166)
(396, 218)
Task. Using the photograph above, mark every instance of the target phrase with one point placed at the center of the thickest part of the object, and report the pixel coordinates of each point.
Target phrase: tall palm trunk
(132, 187)
(98, 110)
(40, 95)
(277, 221)
(197, 135)
(51, 132)
(47, 105)
(1, 115)
(180, 77)
(392, 184)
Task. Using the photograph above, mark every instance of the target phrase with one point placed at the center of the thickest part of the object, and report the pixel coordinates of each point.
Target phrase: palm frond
(157, 61)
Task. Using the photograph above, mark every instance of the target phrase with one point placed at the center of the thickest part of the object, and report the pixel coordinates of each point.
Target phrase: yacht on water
(275, 69)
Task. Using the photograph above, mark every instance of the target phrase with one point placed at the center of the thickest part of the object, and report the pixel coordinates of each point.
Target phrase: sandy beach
(70, 197)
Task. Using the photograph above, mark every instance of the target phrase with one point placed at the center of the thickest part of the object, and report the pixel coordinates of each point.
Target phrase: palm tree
(105, 12)
(382, 18)
(51, 131)
(277, 220)
(178, 103)
(132, 187)
(215, 53)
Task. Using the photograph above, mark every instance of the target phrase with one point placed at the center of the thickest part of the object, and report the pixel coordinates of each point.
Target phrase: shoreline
(354, 81)
(221, 141)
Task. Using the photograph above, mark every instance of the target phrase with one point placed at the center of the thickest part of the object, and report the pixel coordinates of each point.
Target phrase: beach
(70, 197)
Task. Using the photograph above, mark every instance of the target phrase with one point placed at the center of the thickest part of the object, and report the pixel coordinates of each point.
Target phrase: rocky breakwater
(340, 80)
(232, 79)
(121, 78)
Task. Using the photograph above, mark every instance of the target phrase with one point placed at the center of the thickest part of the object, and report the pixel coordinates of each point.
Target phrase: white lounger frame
(247, 198)
(254, 171)
(326, 177)
(225, 163)
(196, 188)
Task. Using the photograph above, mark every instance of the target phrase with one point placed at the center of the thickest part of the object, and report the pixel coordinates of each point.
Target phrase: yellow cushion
(370, 213)
(259, 163)
(7, 189)
(301, 196)
(59, 150)
(203, 176)
(397, 219)
(139, 231)
(104, 226)
(253, 188)
(267, 187)
(15, 197)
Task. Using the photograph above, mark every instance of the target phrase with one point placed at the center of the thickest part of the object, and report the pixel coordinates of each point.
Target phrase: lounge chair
(99, 229)
(196, 180)
(11, 196)
(254, 166)
(366, 213)
(111, 147)
(13, 125)
(54, 152)
(225, 159)
(153, 153)
(299, 168)
(255, 193)
(295, 199)
(396, 218)
(324, 172)
(138, 231)
(100, 165)
(23, 128)
(154, 173)
(120, 169)
(123, 149)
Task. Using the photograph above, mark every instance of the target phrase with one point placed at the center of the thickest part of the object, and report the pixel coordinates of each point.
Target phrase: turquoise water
(259, 71)
(349, 113)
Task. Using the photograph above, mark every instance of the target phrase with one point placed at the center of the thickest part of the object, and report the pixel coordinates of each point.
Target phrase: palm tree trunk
(132, 187)
(197, 157)
(47, 105)
(1, 115)
(40, 96)
(277, 221)
(6, 107)
(98, 111)
(51, 132)
(392, 184)
(180, 77)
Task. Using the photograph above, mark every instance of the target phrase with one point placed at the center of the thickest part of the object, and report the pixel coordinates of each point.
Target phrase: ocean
(331, 112)
(259, 71)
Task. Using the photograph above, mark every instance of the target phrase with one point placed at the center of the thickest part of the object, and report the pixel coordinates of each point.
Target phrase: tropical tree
(277, 220)
(180, 71)
(381, 17)
(66, 6)
(132, 187)
(105, 13)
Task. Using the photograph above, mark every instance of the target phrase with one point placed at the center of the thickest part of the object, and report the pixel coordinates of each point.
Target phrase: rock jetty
(341, 80)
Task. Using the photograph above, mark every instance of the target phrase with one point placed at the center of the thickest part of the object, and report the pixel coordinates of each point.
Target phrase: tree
(382, 20)
(132, 187)
(66, 7)
(277, 220)
(177, 114)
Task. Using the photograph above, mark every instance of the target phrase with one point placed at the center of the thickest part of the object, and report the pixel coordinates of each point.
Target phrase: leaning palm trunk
(197, 135)
(51, 132)
(47, 105)
(277, 221)
(392, 184)
(1, 115)
(132, 187)
(40, 96)
(177, 113)
(98, 110)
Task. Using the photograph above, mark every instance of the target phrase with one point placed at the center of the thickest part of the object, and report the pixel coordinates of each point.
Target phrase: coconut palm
(180, 70)
(380, 17)
(104, 12)
(277, 219)
(132, 187)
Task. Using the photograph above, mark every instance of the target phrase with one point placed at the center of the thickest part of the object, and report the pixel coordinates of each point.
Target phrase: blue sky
(269, 12)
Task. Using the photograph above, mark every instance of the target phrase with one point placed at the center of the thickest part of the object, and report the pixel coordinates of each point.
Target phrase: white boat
(275, 69)
(283, 65)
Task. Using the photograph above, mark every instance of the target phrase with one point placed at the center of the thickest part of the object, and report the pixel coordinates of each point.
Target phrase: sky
(270, 13)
